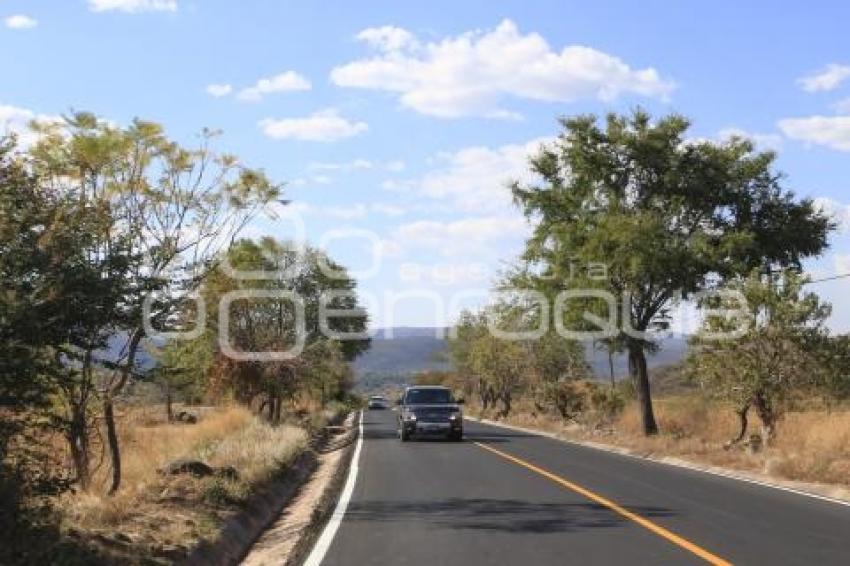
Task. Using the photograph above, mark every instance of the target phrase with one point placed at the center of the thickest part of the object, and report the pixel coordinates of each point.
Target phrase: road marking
(692, 466)
(324, 543)
(642, 521)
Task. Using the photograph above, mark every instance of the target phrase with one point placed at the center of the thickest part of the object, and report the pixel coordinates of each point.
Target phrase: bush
(567, 397)
(221, 492)
(609, 402)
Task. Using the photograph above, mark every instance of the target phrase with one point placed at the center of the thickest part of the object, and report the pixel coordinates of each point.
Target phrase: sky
(396, 126)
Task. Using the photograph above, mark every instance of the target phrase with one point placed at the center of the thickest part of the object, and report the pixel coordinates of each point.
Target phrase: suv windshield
(427, 397)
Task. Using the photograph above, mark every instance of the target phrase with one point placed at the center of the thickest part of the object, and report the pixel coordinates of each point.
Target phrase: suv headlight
(409, 416)
(455, 416)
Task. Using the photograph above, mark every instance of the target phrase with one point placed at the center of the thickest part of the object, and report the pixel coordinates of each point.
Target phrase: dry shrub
(811, 445)
(814, 446)
(257, 450)
(146, 448)
(230, 436)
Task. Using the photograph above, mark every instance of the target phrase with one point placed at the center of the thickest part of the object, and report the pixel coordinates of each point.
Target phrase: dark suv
(429, 410)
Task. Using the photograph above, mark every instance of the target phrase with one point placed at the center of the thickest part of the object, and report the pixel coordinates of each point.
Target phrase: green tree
(836, 363)
(264, 325)
(497, 367)
(174, 209)
(667, 217)
(62, 293)
(502, 367)
(326, 370)
(767, 353)
(470, 328)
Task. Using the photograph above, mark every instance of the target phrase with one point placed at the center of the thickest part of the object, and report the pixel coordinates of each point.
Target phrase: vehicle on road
(429, 411)
(378, 402)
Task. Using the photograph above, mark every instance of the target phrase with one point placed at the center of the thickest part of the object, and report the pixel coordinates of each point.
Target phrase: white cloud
(765, 141)
(842, 106)
(841, 263)
(388, 209)
(20, 21)
(388, 38)
(475, 235)
(389, 248)
(353, 165)
(16, 120)
(398, 185)
(359, 164)
(323, 126)
(838, 211)
(471, 74)
(829, 78)
(829, 131)
(284, 82)
(446, 273)
(357, 211)
(219, 90)
(133, 6)
(353, 212)
(476, 178)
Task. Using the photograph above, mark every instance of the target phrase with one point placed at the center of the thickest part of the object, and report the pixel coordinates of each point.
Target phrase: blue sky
(405, 119)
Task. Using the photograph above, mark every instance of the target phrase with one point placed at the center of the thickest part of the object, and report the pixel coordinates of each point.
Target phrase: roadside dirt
(290, 536)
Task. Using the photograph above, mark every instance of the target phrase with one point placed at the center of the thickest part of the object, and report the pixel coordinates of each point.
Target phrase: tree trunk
(79, 445)
(277, 403)
(484, 395)
(611, 367)
(742, 417)
(113, 389)
(168, 403)
(640, 378)
(505, 397)
(767, 416)
(112, 444)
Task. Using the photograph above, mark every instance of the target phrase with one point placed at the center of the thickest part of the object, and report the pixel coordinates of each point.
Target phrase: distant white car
(378, 402)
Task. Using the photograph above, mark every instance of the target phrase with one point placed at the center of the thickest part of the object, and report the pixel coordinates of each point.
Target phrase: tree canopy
(667, 216)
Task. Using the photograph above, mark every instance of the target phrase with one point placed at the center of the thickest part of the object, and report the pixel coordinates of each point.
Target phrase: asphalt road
(540, 501)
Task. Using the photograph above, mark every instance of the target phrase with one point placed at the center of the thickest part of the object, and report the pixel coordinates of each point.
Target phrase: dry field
(158, 514)
(812, 445)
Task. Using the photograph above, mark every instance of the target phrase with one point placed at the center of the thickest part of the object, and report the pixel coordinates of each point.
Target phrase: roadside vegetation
(115, 444)
(631, 210)
(161, 516)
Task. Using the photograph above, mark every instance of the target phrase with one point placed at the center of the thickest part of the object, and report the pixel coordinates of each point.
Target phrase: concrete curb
(824, 492)
(240, 531)
(325, 506)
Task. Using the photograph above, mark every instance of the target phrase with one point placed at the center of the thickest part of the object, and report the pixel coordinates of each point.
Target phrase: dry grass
(815, 446)
(157, 510)
(256, 450)
(812, 445)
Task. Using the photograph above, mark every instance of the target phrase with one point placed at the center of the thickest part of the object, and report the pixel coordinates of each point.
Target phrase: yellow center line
(642, 521)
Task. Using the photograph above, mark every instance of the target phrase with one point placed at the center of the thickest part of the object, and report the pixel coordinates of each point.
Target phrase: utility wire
(832, 278)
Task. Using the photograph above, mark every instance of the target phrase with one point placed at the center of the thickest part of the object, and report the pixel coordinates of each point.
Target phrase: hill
(398, 353)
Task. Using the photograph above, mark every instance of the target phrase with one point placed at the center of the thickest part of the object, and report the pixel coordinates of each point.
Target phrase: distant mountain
(398, 353)
(673, 350)
(403, 351)
(411, 332)
(114, 351)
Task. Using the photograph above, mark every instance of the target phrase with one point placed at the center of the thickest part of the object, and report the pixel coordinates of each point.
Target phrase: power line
(831, 278)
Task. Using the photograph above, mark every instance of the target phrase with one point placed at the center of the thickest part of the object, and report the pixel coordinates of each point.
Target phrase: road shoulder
(831, 493)
(292, 534)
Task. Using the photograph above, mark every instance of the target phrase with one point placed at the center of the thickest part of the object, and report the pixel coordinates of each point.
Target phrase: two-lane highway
(505, 497)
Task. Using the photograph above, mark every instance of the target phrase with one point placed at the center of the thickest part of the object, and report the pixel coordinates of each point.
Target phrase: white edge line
(324, 543)
(684, 466)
